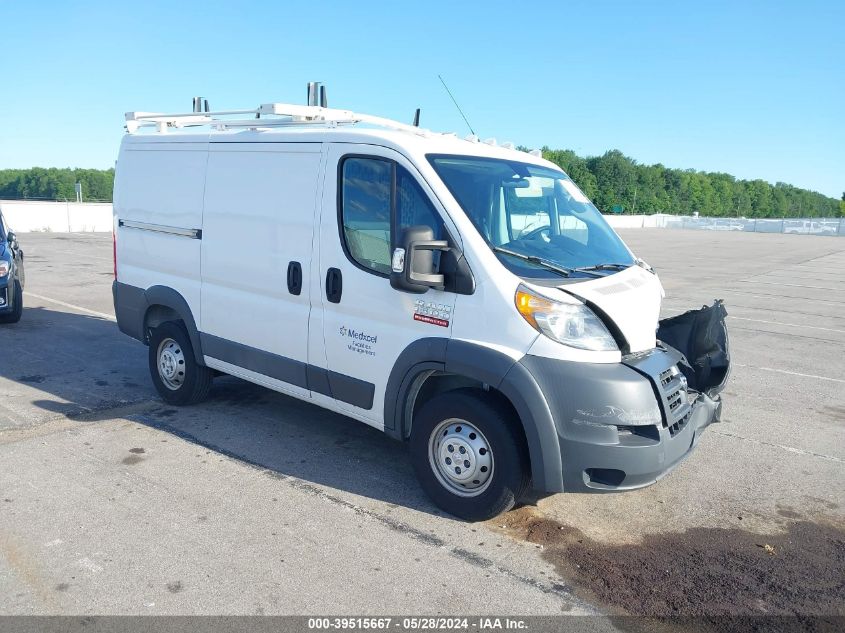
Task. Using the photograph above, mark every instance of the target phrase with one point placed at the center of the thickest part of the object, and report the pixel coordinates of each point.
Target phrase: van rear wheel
(177, 376)
(469, 454)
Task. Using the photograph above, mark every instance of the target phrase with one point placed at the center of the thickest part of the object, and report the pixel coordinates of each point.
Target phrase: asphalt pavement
(112, 502)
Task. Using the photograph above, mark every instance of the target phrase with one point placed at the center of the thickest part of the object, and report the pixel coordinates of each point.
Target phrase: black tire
(17, 309)
(494, 418)
(190, 381)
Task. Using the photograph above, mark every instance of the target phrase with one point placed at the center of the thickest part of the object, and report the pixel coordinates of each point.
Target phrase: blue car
(11, 276)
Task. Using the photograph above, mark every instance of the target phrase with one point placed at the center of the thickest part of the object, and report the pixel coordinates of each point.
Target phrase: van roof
(280, 123)
(431, 143)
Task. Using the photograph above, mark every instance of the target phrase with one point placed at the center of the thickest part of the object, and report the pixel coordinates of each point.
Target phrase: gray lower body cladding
(621, 426)
(130, 307)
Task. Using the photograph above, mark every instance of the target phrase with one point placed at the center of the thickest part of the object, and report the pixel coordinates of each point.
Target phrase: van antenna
(417, 118)
(456, 104)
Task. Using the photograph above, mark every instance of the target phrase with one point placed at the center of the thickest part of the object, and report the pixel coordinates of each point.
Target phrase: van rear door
(369, 194)
(258, 226)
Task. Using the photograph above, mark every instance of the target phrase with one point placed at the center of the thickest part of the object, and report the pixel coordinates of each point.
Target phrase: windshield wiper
(582, 269)
(560, 270)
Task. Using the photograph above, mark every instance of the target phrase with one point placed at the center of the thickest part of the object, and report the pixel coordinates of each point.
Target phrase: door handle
(334, 285)
(294, 278)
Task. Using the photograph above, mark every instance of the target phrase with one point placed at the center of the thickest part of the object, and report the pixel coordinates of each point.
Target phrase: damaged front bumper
(624, 426)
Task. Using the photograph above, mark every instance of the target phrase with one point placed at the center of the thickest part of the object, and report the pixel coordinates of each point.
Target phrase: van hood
(631, 298)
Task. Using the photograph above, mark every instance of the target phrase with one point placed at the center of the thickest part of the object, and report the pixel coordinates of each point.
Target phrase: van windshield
(536, 220)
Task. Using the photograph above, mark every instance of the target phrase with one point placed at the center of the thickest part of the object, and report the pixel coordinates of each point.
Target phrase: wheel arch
(163, 304)
(462, 361)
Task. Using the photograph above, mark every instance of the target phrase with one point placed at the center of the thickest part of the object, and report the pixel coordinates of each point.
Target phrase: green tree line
(614, 180)
(611, 180)
(39, 183)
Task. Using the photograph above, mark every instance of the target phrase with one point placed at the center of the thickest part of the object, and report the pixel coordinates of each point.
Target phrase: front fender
(491, 367)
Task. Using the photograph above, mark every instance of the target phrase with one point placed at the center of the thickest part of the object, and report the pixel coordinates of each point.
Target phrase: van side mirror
(11, 238)
(412, 264)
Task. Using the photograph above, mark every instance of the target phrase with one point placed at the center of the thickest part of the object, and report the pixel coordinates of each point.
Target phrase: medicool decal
(358, 341)
(432, 313)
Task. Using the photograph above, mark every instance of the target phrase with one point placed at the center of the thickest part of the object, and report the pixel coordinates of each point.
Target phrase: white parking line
(730, 316)
(790, 373)
(780, 283)
(102, 315)
(791, 449)
(806, 327)
(75, 254)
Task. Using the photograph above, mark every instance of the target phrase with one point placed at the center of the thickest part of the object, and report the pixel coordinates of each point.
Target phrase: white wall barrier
(635, 221)
(797, 226)
(25, 216)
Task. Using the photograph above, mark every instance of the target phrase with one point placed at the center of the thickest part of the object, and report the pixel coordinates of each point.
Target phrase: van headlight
(572, 324)
(5, 267)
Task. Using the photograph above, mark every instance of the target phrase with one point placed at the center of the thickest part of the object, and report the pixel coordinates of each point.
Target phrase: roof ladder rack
(281, 115)
(275, 115)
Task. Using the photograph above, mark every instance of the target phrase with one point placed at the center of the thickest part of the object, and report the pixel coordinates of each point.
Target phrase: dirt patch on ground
(708, 572)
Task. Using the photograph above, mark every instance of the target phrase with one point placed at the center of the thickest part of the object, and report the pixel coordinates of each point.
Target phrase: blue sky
(753, 89)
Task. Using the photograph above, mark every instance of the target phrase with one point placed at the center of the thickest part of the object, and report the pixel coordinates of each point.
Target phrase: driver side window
(365, 209)
(379, 199)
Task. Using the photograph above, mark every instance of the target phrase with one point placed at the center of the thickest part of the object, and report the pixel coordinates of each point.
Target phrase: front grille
(678, 426)
(670, 385)
(676, 406)
(675, 400)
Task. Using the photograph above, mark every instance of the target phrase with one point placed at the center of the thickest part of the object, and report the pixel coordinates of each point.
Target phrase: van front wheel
(177, 377)
(469, 454)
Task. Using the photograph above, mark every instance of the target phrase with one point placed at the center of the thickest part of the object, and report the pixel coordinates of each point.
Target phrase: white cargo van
(457, 294)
